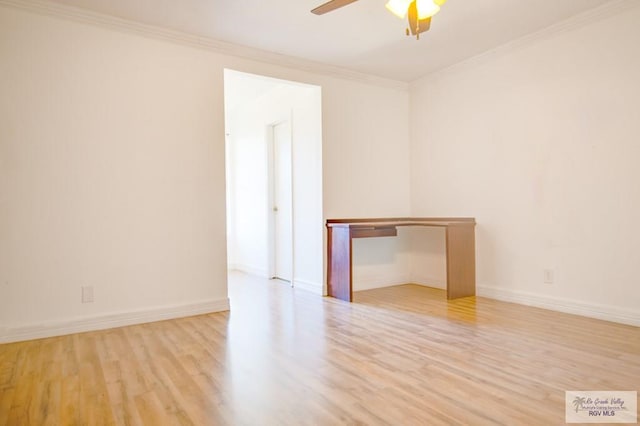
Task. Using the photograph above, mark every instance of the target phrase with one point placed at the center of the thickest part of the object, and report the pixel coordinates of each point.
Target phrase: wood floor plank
(6, 402)
(398, 355)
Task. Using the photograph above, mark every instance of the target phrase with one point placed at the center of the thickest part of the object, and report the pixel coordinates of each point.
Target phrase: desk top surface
(400, 221)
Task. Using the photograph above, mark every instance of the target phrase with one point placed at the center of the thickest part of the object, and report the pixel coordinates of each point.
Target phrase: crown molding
(599, 13)
(75, 14)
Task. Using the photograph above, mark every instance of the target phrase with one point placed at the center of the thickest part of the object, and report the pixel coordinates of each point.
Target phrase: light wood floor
(398, 356)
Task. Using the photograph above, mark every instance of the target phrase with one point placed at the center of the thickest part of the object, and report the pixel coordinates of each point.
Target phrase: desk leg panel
(461, 261)
(339, 263)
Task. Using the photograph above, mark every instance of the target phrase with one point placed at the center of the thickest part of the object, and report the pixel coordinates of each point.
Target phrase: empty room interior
(319, 212)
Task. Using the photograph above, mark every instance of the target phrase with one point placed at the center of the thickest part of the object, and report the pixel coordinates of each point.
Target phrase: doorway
(274, 179)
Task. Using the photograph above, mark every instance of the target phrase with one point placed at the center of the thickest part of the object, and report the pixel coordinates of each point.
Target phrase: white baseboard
(315, 288)
(369, 282)
(249, 269)
(603, 312)
(426, 281)
(102, 322)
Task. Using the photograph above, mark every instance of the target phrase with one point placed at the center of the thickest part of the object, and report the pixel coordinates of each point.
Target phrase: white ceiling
(362, 36)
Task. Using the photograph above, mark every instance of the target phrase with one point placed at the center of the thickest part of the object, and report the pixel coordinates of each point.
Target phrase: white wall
(247, 122)
(112, 176)
(540, 144)
(112, 169)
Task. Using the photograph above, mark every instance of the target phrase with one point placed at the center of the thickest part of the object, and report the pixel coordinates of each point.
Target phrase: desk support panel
(339, 273)
(461, 261)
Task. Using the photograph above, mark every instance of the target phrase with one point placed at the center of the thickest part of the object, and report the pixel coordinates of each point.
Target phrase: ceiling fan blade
(331, 5)
(416, 25)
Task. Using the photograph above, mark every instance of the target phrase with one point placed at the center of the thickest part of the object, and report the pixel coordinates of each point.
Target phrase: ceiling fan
(419, 12)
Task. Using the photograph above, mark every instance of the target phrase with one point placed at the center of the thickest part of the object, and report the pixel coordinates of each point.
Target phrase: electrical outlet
(87, 294)
(548, 276)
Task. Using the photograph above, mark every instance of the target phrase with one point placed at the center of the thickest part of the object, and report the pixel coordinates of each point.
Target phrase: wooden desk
(460, 241)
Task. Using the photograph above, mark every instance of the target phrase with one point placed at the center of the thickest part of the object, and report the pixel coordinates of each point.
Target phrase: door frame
(271, 240)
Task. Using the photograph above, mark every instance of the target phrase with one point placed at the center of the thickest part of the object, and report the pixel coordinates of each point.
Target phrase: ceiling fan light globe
(398, 7)
(427, 8)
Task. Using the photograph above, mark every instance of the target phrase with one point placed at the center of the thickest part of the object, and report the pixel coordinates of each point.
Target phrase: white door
(282, 223)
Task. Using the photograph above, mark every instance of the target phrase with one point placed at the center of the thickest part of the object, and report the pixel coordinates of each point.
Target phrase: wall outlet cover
(87, 294)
